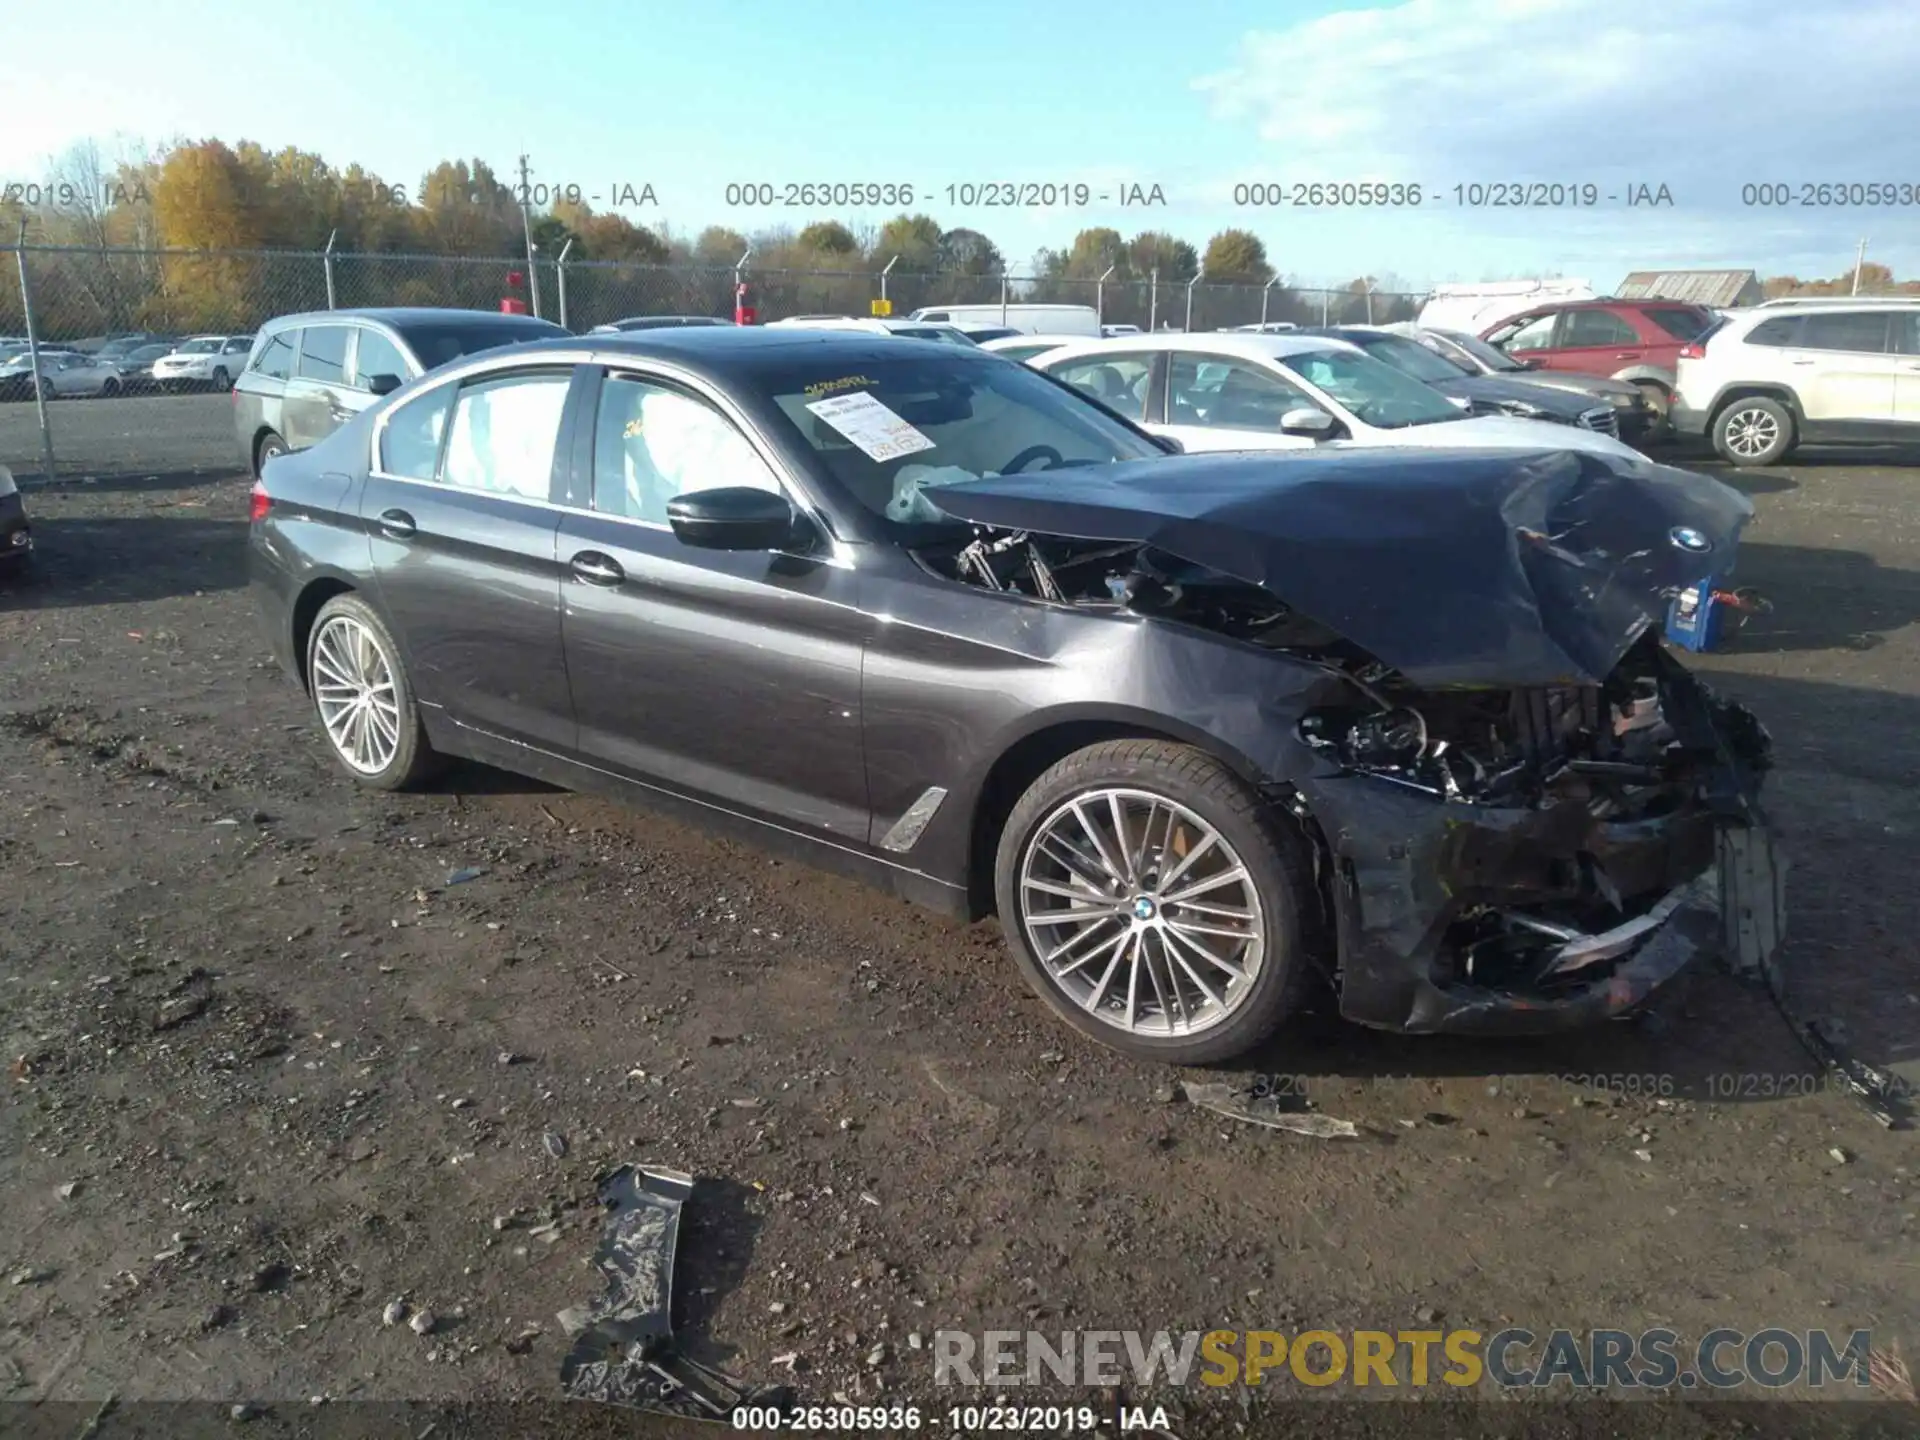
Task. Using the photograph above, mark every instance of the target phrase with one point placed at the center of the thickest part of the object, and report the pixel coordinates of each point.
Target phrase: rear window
(1682, 322)
(276, 357)
(436, 343)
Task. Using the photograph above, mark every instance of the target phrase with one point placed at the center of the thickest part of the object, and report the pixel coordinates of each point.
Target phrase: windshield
(1376, 393)
(1410, 358)
(198, 347)
(893, 431)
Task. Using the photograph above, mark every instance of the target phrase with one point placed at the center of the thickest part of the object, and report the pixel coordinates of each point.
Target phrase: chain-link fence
(81, 298)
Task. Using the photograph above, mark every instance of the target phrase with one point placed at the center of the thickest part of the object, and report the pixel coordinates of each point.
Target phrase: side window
(1597, 327)
(1781, 330)
(1117, 381)
(323, 354)
(377, 355)
(1906, 333)
(410, 442)
(1536, 334)
(237, 345)
(503, 435)
(1859, 331)
(1226, 394)
(276, 357)
(652, 444)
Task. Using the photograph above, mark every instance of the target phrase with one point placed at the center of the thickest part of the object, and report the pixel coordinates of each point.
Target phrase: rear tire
(1146, 979)
(220, 380)
(110, 389)
(363, 700)
(1754, 430)
(268, 446)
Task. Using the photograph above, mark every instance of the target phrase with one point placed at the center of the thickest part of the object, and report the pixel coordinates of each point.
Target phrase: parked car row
(127, 365)
(1206, 732)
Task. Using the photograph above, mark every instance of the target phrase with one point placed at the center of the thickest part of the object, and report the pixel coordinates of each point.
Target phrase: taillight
(1693, 352)
(258, 502)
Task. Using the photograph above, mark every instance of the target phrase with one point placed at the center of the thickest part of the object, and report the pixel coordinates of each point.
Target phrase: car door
(729, 676)
(315, 402)
(68, 375)
(459, 512)
(1906, 359)
(1529, 339)
(373, 355)
(1843, 370)
(1221, 402)
(1595, 342)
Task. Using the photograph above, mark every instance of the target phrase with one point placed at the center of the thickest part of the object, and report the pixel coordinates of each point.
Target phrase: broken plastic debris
(464, 874)
(1223, 1099)
(623, 1351)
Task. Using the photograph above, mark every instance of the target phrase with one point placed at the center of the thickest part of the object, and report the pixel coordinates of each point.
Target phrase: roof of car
(1258, 347)
(403, 315)
(724, 352)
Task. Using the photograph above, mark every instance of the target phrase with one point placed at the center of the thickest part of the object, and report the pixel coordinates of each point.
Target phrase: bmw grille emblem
(1690, 540)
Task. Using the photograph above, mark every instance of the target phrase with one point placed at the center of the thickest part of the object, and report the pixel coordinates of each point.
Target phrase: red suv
(1635, 340)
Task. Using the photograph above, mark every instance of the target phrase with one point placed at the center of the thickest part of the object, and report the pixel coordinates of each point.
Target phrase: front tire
(363, 700)
(220, 380)
(1153, 900)
(1755, 430)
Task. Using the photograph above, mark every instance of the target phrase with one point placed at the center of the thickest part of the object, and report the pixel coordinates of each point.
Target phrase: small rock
(32, 1275)
(791, 1359)
(68, 1190)
(464, 874)
(555, 1142)
(877, 1356)
(1052, 1057)
(462, 1103)
(218, 1318)
(523, 1342)
(240, 1414)
(395, 1312)
(503, 1222)
(1840, 1156)
(1167, 1094)
(507, 1057)
(778, 1307)
(914, 1342)
(849, 1123)
(1646, 1155)
(271, 1276)
(1426, 1314)
(422, 1321)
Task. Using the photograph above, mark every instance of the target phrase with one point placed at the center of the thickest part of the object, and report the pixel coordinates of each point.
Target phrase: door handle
(1628, 355)
(396, 524)
(597, 569)
(1800, 362)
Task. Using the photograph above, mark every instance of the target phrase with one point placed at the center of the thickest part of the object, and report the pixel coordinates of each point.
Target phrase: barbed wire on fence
(81, 293)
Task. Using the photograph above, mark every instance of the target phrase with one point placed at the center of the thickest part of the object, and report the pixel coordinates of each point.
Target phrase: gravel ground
(273, 1068)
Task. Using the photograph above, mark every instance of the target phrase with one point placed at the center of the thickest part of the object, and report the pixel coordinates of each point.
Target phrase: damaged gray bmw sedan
(1203, 731)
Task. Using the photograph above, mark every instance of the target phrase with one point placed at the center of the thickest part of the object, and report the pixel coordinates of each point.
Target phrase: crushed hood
(1453, 567)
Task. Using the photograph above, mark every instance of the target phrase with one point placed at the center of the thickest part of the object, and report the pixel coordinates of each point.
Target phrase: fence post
(1153, 299)
(560, 280)
(886, 271)
(1265, 291)
(1190, 284)
(1325, 298)
(1100, 295)
(33, 349)
(326, 263)
(1004, 283)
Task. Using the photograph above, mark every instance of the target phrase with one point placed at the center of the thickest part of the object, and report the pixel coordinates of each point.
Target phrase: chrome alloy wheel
(1751, 433)
(353, 686)
(1141, 912)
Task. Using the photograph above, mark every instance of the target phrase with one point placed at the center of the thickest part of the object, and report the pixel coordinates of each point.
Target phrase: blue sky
(1702, 97)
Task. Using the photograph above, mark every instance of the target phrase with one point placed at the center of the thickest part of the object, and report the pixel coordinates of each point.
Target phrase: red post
(743, 313)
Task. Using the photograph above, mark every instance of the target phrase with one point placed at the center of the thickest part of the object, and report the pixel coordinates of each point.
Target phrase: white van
(1028, 319)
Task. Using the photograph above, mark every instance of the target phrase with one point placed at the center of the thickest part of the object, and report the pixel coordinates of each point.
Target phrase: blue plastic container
(1696, 619)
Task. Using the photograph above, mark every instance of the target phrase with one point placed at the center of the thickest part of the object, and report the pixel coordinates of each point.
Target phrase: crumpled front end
(1528, 860)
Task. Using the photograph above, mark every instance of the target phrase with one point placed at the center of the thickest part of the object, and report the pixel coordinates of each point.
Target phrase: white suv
(1836, 370)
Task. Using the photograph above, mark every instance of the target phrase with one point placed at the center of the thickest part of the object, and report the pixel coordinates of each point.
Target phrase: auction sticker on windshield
(880, 434)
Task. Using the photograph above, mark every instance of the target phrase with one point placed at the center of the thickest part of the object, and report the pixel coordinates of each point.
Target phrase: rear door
(461, 520)
(1849, 376)
(314, 403)
(731, 677)
(1597, 342)
(1221, 402)
(1131, 382)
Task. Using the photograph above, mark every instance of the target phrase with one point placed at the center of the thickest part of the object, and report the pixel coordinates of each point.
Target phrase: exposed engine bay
(1614, 746)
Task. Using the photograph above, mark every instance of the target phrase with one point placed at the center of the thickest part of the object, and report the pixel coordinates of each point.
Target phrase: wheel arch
(260, 433)
(1023, 758)
(307, 606)
(1756, 389)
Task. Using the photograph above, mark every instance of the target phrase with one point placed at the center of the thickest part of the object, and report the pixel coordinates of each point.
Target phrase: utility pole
(1859, 263)
(526, 225)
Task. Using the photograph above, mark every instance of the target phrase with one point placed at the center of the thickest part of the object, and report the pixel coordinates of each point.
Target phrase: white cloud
(1702, 95)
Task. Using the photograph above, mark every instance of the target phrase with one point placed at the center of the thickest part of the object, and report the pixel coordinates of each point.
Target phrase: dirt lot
(291, 1070)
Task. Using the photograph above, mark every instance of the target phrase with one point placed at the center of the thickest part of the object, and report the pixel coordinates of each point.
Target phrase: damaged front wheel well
(1014, 773)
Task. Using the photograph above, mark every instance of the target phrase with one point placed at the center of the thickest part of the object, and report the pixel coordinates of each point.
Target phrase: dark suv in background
(309, 374)
(1634, 340)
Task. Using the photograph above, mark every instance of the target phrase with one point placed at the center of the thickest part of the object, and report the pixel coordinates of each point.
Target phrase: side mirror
(733, 517)
(1169, 444)
(1305, 421)
(1462, 401)
(384, 384)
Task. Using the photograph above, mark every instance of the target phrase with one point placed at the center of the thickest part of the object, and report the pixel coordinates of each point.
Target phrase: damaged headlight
(1395, 743)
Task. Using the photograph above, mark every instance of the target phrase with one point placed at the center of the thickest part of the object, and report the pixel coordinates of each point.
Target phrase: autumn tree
(914, 238)
(1152, 250)
(719, 245)
(1237, 257)
(968, 252)
(828, 239)
(464, 209)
